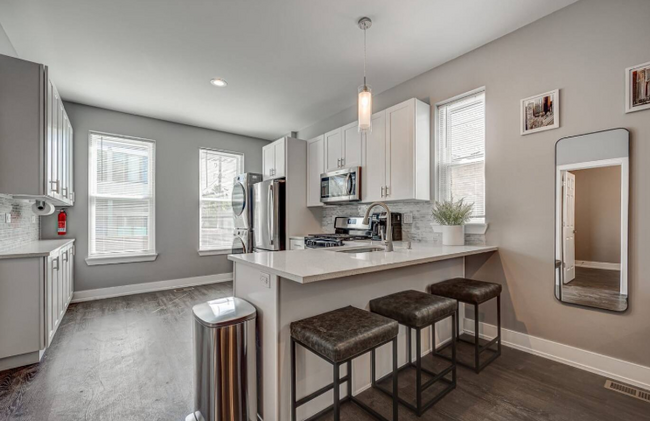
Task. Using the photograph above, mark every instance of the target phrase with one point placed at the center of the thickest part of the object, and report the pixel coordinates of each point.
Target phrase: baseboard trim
(102, 293)
(598, 265)
(612, 368)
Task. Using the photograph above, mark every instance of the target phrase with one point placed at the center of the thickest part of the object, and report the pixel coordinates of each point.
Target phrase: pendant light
(365, 93)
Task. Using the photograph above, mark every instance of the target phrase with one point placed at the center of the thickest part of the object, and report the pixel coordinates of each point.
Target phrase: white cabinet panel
(352, 146)
(315, 167)
(279, 166)
(373, 174)
(333, 150)
(273, 159)
(400, 123)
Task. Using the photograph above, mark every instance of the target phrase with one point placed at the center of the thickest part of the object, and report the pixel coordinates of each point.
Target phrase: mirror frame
(624, 163)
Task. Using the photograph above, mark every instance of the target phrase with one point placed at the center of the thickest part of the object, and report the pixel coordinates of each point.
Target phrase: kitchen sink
(361, 250)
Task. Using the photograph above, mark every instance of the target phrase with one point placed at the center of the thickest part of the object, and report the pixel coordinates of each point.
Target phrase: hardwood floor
(131, 358)
(595, 288)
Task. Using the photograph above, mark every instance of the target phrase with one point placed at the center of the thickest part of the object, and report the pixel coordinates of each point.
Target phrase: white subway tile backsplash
(21, 229)
(420, 231)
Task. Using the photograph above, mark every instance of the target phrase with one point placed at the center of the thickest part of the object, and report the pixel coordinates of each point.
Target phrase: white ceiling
(289, 63)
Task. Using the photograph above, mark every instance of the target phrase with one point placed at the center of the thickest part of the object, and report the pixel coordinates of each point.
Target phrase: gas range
(347, 229)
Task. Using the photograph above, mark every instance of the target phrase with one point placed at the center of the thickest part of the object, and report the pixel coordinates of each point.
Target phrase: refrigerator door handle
(271, 215)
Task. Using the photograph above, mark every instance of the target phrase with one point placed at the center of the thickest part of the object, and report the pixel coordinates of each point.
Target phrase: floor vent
(628, 390)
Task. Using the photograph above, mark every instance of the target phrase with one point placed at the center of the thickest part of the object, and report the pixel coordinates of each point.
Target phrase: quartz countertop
(312, 265)
(35, 249)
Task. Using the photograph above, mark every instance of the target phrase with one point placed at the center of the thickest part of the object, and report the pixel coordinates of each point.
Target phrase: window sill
(113, 260)
(214, 252)
(471, 228)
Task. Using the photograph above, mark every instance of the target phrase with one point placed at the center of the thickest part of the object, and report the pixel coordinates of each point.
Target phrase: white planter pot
(453, 235)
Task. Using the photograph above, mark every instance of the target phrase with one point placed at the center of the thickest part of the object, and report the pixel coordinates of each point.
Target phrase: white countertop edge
(40, 248)
(369, 269)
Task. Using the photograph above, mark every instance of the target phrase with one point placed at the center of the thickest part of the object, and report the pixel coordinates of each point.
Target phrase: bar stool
(338, 337)
(418, 310)
(475, 293)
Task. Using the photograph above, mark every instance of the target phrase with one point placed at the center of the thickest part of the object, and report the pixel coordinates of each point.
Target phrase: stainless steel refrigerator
(269, 232)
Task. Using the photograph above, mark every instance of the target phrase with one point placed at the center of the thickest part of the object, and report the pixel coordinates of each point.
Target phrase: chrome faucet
(389, 225)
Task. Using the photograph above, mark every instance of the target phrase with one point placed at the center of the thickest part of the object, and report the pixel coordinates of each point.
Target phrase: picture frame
(540, 112)
(637, 88)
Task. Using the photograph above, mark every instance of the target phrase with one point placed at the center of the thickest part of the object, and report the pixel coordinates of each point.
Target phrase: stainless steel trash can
(225, 385)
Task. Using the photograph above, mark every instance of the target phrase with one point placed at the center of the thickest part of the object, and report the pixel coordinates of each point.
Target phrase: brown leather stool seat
(338, 337)
(414, 309)
(473, 292)
(340, 334)
(467, 290)
(418, 310)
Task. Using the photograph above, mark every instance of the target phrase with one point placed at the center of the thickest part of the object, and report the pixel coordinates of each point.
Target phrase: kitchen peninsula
(291, 285)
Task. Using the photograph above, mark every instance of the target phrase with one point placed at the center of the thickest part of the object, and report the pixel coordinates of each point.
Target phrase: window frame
(240, 170)
(130, 257)
(475, 225)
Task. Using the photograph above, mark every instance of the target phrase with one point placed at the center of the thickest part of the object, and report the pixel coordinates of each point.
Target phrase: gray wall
(177, 203)
(6, 47)
(582, 50)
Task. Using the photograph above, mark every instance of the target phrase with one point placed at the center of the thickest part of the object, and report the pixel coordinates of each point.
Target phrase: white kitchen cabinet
(402, 171)
(343, 148)
(352, 146)
(36, 146)
(315, 167)
(373, 174)
(273, 159)
(35, 291)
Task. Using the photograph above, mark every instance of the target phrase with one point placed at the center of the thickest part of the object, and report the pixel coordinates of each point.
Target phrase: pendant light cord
(364, 57)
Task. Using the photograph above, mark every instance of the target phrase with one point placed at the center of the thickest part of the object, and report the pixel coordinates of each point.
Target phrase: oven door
(341, 186)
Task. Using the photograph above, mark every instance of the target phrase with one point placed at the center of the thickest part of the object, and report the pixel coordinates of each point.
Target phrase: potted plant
(452, 216)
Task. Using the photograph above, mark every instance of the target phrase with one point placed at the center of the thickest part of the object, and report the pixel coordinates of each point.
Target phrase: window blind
(218, 170)
(121, 196)
(460, 155)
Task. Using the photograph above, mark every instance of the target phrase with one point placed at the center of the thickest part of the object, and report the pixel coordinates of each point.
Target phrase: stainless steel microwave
(341, 185)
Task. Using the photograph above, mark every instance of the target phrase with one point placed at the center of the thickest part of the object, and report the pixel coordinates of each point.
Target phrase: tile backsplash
(420, 231)
(21, 229)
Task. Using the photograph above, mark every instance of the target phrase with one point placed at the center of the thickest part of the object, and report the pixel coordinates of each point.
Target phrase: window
(216, 220)
(121, 199)
(460, 151)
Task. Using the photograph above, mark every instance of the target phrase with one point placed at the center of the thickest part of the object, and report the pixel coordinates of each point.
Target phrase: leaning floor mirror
(591, 219)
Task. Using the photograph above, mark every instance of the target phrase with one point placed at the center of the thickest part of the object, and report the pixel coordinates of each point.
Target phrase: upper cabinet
(343, 148)
(315, 167)
(273, 159)
(36, 160)
(395, 157)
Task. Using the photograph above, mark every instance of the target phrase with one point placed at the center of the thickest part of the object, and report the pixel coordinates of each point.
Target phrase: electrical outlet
(33, 219)
(408, 218)
(265, 278)
(7, 218)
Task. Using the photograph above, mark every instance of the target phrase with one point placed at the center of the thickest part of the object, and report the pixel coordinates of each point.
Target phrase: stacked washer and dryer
(242, 207)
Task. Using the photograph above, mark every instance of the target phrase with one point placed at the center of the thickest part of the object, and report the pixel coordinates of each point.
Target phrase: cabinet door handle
(382, 191)
(387, 192)
(57, 264)
(338, 163)
(64, 191)
(65, 256)
(342, 162)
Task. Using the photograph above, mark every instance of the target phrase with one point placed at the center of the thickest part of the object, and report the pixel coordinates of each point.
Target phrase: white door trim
(612, 368)
(102, 293)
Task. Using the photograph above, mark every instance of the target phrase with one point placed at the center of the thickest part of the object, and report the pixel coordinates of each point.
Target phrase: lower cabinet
(34, 295)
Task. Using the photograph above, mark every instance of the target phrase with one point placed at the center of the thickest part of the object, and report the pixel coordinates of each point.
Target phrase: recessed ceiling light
(218, 82)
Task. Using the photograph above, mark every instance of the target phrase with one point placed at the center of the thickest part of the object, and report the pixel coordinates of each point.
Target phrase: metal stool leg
(337, 399)
(476, 340)
(453, 348)
(418, 381)
(499, 323)
(395, 398)
(293, 380)
(408, 345)
(372, 368)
